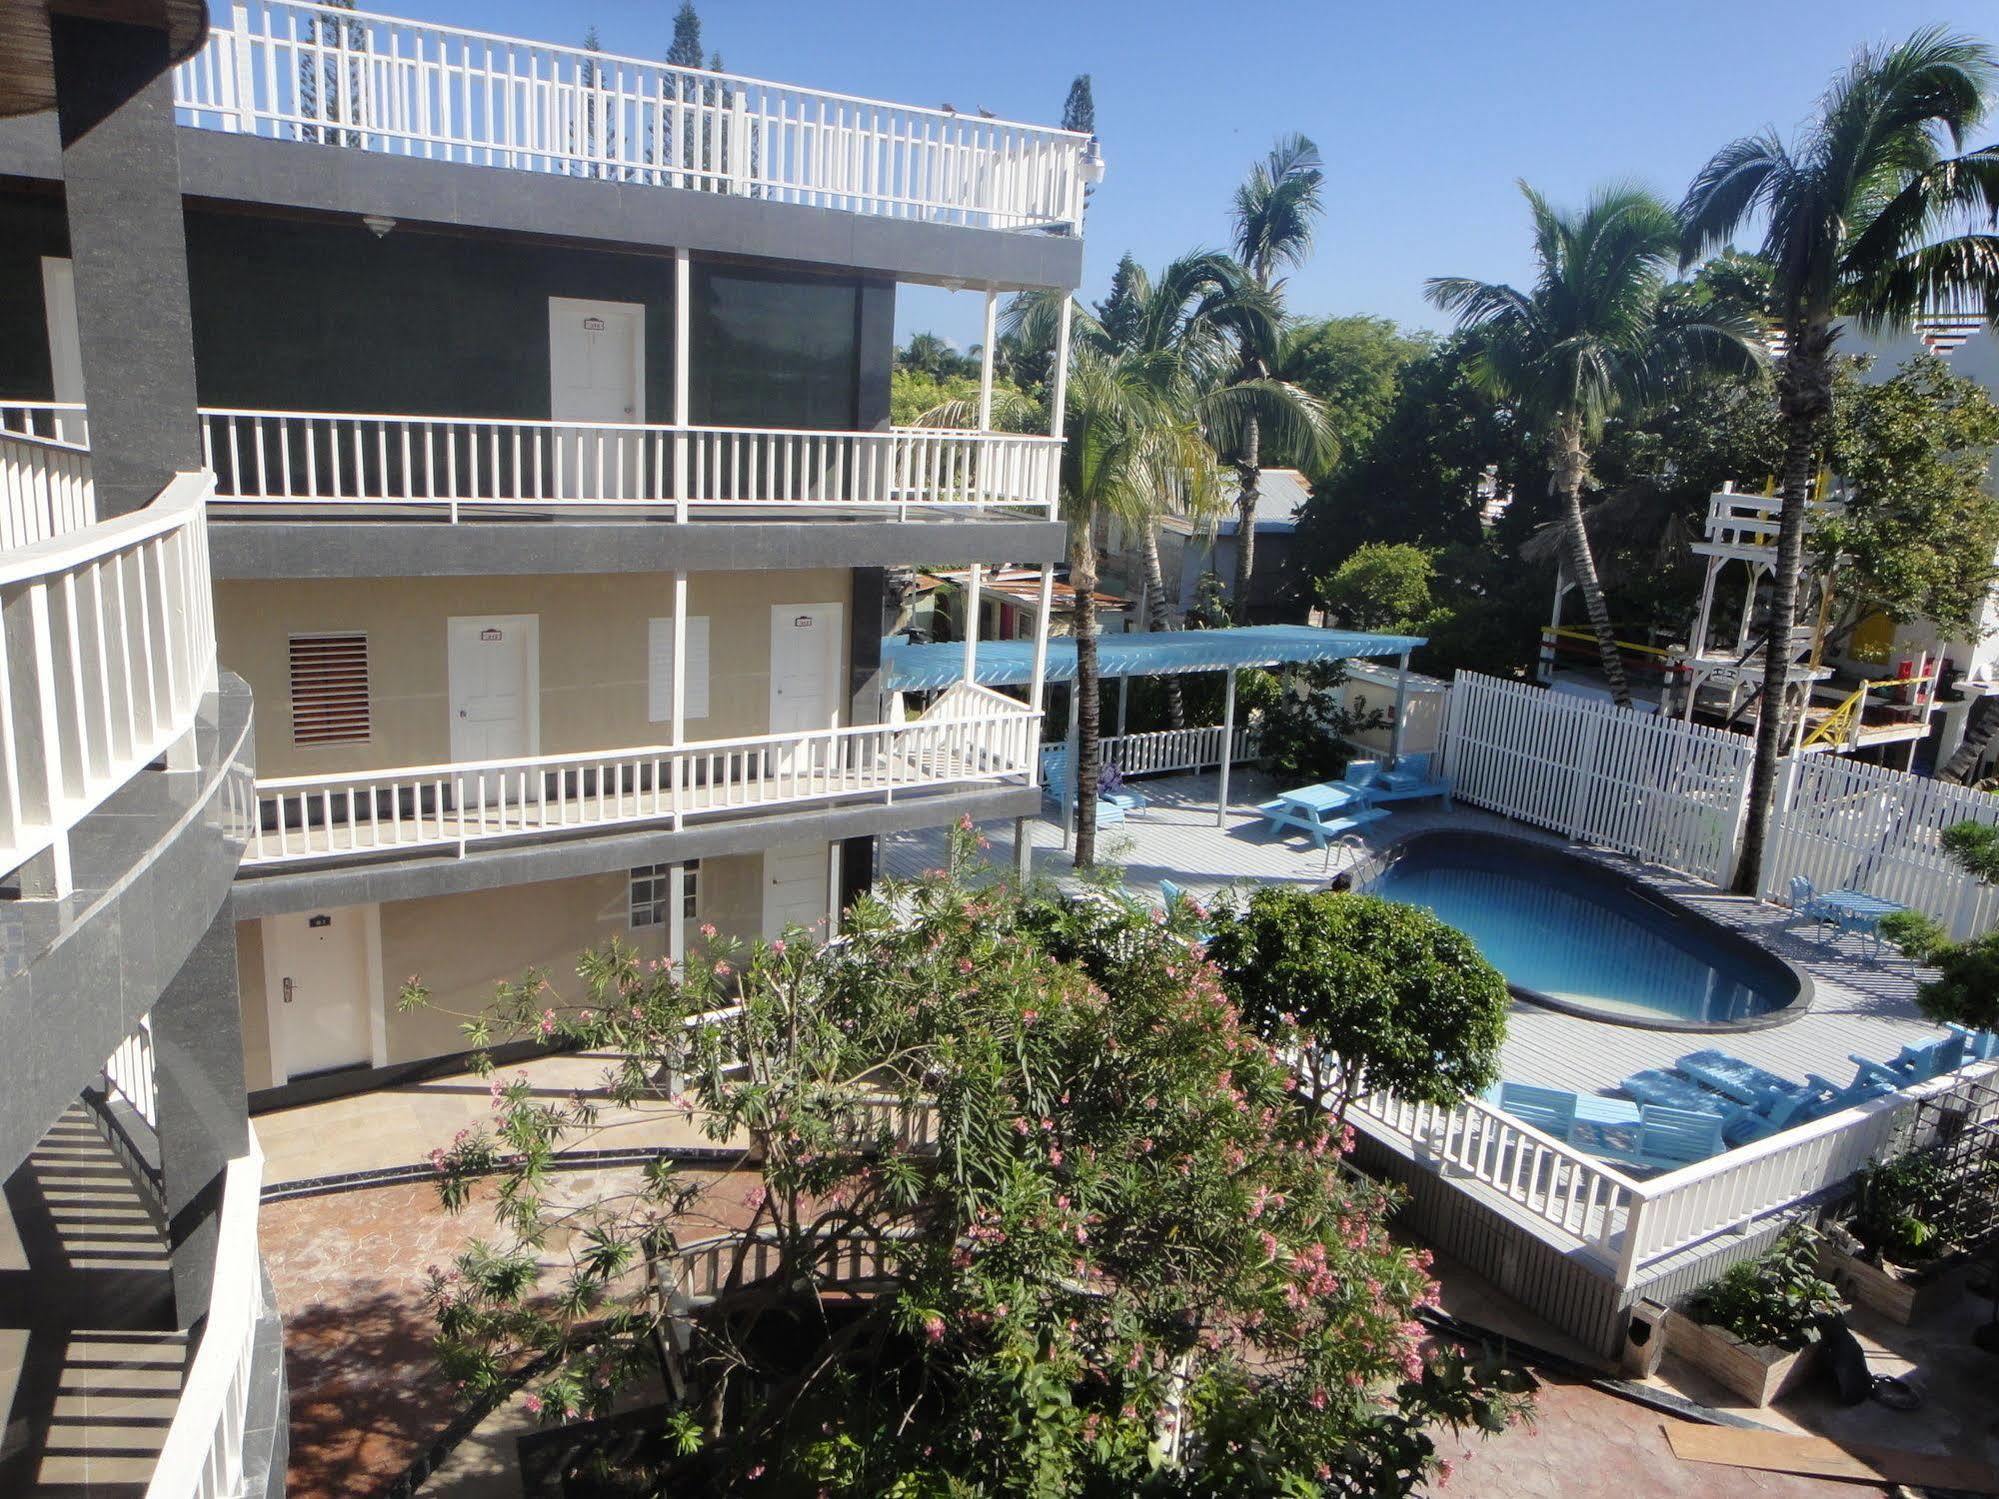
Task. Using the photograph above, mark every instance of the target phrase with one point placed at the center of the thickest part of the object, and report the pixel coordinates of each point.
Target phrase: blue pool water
(1585, 938)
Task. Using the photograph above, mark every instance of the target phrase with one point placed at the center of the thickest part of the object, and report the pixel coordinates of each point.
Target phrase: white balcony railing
(45, 487)
(107, 643)
(128, 1072)
(447, 466)
(450, 807)
(352, 79)
(202, 1457)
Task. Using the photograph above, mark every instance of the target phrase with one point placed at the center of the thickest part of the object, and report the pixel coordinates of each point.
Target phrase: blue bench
(1656, 1136)
(1409, 780)
(1918, 1063)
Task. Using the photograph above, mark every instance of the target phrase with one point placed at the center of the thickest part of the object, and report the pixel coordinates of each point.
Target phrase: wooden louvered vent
(329, 678)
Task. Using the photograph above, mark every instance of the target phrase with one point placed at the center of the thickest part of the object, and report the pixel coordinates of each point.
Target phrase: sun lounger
(1410, 780)
(1550, 1110)
(1669, 1137)
(1058, 789)
(1735, 1078)
(1979, 1046)
(1918, 1063)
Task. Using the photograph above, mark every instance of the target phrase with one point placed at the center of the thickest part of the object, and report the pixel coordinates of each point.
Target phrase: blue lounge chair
(1979, 1046)
(1550, 1110)
(1918, 1063)
(1410, 780)
(1735, 1078)
(1058, 789)
(1361, 775)
(1669, 1137)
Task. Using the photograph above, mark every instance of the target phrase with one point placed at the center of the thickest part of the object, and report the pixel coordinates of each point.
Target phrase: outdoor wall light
(379, 224)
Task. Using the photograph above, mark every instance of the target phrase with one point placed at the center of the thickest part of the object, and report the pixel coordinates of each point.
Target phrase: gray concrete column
(198, 1075)
(867, 621)
(876, 356)
(121, 186)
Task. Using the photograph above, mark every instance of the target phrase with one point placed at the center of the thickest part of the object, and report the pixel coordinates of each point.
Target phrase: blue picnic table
(1321, 811)
(1857, 911)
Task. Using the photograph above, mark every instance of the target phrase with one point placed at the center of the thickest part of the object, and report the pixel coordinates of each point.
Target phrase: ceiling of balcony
(27, 70)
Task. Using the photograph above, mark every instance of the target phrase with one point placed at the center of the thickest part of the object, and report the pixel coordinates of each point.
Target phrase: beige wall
(462, 946)
(592, 653)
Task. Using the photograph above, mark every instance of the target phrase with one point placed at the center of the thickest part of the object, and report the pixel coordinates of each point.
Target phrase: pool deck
(1860, 1004)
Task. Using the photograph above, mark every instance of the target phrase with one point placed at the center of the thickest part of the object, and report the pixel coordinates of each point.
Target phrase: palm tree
(1275, 210)
(1130, 437)
(1595, 337)
(1868, 214)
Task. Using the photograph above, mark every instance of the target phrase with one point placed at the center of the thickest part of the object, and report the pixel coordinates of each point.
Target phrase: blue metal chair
(1805, 901)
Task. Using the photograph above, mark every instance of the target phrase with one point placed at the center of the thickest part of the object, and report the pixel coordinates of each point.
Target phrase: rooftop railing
(362, 81)
(45, 487)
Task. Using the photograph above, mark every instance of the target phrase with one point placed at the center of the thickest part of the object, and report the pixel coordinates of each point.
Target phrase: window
(652, 888)
(329, 689)
(659, 668)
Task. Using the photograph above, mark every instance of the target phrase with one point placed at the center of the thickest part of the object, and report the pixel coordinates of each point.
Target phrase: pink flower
(933, 1328)
(1028, 1017)
(437, 1160)
(755, 1198)
(708, 929)
(723, 970)
(533, 1404)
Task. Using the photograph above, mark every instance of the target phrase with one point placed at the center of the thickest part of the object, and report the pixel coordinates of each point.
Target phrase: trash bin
(1644, 1339)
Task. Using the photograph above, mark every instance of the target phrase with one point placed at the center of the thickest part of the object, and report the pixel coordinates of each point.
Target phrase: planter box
(1758, 1374)
(1899, 1295)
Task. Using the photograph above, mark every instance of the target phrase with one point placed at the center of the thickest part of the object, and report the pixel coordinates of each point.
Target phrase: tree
(1595, 337)
(1354, 365)
(1276, 209)
(1384, 586)
(1118, 314)
(1079, 110)
(1378, 994)
(1920, 526)
(686, 49)
(1866, 216)
(321, 95)
(1146, 1276)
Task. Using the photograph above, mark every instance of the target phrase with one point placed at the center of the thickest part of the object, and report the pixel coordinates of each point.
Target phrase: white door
(795, 888)
(806, 689)
(65, 342)
(316, 964)
(596, 374)
(494, 671)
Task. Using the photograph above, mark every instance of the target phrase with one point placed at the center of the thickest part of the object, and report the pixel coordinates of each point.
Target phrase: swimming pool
(1577, 936)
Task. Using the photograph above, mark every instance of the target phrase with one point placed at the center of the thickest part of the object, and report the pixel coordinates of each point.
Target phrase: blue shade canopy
(907, 667)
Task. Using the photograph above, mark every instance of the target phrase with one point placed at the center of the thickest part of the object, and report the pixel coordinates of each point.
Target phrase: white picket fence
(1846, 825)
(1673, 794)
(367, 82)
(1665, 792)
(1163, 750)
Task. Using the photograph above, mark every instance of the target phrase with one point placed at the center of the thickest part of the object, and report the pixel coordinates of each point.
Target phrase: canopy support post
(1123, 704)
(972, 624)
(1401, 709)
(986, 360)
(1228, 738)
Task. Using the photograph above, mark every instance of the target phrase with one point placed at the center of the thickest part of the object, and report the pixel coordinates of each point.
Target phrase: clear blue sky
(1426, 112)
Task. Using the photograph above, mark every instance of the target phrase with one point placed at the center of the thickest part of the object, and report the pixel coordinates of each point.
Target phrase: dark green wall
(301, 316)
(31, 226)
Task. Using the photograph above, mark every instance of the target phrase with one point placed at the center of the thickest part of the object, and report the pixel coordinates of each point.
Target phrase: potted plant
(1755, 1329)
(1894, 1239)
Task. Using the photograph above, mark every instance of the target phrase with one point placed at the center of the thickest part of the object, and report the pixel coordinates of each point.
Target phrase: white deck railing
(1161, 750)
(1565, 1188)
(202, 1457)
(45, 486)
(370, 82)
(453, 806)
(1629, 1224)
(446, 465)
(107, 643)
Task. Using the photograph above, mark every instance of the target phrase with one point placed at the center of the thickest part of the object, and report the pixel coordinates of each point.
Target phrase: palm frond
(1724, 192)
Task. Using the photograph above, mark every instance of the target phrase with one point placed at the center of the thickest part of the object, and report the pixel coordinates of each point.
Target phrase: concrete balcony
(970, 737)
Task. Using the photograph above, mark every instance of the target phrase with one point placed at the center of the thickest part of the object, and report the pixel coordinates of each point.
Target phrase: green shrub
(1773, 1301)
(1901, 1203)
(1916, 936)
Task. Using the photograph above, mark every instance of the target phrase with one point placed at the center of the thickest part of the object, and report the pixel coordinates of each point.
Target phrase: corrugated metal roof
(907, 667)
